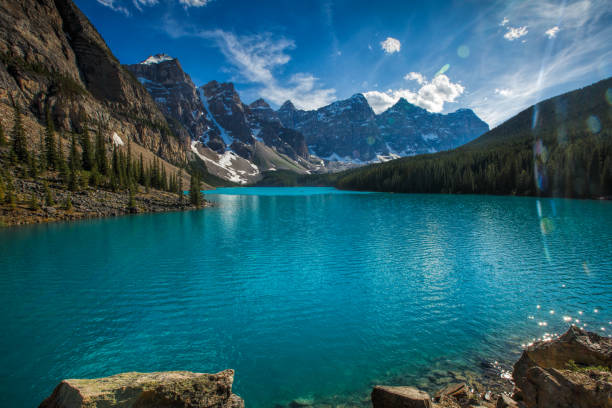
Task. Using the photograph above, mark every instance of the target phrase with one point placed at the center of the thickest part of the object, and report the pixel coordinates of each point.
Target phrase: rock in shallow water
(545, 380)
(404, 397)
(170, 389)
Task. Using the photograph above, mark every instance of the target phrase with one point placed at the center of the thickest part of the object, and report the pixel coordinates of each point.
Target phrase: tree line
(87, 163)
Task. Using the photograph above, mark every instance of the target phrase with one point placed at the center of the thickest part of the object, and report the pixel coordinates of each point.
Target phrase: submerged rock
(170, 389)
(400, 397)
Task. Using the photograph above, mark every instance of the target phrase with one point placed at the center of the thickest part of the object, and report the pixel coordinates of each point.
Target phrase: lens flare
(443, 69)
(546, 226)
(370, 140)
(609, 96)
(463, 51)
(562, 135)
(593, 124)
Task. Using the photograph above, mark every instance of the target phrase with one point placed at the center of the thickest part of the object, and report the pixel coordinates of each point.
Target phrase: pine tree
(74, 162)
(34, 205)
(68, 204)
(19, 148)
(61, 163)
(141, 171)
(49, 201)
(132, 202)
(87, 154)
(2, 188)
(50, 147)
(101, 160)
(3, 141)
(195, 194)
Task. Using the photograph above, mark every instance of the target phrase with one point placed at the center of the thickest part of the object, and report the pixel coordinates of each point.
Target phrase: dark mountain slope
(559, 147)
(52, 58)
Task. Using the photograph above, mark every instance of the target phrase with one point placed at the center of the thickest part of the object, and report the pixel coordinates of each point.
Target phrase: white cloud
(194, 3)
(115, 6)
(140, 3)
(414, 76)
(515, 32)
(432, 95)
(256, 57)
(504, 22)
(503, 92)
(552, 32)
(121, 5)
(391, 45)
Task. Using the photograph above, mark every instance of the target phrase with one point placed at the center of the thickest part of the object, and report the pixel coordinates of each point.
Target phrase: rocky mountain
(408, 129)
(53, 59)
(235, 141)
(560, 147)
(349, 130)
(175, 94)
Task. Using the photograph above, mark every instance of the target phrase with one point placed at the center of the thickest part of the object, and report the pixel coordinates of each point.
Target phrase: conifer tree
(2, 188)
(34, 205)
(50, 147)
(141, 171)
(101, 160)
(19, 147)
(49, 201)
(68, 204)
(61, 162)
(87, 157)
(132, 202)
(74, 162)
(195, 194)
(3, 141)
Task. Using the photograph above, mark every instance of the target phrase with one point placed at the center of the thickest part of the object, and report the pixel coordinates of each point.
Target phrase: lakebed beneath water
(308, 293)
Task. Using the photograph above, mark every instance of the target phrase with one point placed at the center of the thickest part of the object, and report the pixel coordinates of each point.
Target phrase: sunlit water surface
(307, 293)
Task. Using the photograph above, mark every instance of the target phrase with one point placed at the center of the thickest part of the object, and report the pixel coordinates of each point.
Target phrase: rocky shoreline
(571, 371)
(84, 204)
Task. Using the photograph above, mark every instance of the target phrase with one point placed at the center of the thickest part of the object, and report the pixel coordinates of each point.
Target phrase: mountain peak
(259, 104)
(288, 106)
(358, 98)
(403, 104)
(157, 58)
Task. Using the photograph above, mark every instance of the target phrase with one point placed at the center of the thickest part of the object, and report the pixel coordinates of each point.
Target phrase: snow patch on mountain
(156, 59)
(227, 139)
(117, 140)
(227, 162)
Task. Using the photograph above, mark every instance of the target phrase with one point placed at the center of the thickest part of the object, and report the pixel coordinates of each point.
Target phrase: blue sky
(494, 57)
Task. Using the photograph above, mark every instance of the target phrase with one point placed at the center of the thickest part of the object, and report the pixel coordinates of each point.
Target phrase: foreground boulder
(572, 371)
(400, 397)
(171, 389)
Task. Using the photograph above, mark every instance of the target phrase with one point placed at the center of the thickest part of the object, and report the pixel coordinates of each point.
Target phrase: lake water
(306, 292)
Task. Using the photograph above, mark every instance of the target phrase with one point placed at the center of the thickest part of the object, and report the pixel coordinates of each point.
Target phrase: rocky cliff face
(233, 139)
(344, 130)
(408, 129)
(148, 390)
(175, 94)
(52, 58)
(349, 130)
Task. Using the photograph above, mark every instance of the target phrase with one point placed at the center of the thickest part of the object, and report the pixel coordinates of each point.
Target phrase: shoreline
(569, 371)
(87, 203)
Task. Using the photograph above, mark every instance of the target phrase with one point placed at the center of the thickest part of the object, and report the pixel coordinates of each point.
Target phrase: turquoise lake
(307, 293)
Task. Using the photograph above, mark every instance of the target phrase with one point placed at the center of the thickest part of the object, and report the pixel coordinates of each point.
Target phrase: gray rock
(400, 397)
(148, 390)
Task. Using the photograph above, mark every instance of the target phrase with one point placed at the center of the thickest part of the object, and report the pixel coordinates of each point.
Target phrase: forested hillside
(559, 147)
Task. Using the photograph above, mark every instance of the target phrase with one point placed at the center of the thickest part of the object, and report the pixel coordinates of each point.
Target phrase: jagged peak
(157, 58)
(358, 97)
(260, 103)
(288, 105)
(403, 104)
